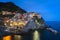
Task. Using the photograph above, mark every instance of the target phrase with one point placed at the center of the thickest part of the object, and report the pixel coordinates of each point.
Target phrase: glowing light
(11, 21)
(7, 38)
(7, 21)
(36, 35)
(17, 37)
(15, 23)
(21, 23)
(5, 24)
(11, 24)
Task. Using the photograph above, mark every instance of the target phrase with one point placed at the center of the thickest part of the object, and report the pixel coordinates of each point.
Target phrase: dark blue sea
(46, 35)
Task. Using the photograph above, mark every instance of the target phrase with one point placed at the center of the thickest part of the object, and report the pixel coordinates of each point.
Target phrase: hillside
(11, 7)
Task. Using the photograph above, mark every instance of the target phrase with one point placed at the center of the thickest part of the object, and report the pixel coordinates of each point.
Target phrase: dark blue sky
(49, 9)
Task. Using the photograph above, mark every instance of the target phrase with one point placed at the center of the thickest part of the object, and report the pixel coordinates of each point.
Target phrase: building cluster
(7, 13)
(19, 21)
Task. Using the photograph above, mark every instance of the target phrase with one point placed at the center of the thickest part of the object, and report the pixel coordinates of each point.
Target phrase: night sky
(49, 9)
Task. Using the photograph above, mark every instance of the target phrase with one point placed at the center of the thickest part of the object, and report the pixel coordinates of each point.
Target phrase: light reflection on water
(36, 35)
